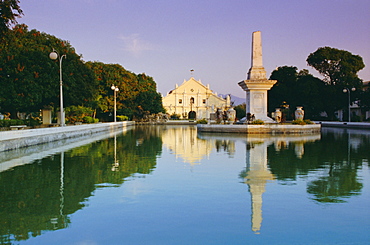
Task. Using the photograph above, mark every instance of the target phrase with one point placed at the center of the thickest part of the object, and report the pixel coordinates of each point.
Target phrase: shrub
(258, 122)
(77, 113)
(202, 121)
(88, 119)
(175, 116)
(308, 121)
(299, 122)
(122, 118)
(11, 122)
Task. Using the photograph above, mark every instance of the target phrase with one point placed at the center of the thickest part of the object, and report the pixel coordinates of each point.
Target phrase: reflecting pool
(172, 185)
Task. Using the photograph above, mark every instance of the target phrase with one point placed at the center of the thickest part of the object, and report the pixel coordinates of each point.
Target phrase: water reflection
(39, 197)
(42, 187)
(257, 173)
(184, 143)
(339, 165)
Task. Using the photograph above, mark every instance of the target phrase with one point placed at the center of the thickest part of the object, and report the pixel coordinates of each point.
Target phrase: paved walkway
(360, 125)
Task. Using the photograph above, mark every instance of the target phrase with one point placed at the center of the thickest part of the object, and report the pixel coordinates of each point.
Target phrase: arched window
(180, 101)
(192, 100)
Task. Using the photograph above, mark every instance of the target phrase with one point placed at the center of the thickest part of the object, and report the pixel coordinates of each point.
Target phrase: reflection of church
(186, 145)
(193, 100)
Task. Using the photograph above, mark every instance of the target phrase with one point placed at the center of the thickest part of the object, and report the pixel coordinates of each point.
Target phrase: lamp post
(115, 89)
(345, 90)
(54, 55)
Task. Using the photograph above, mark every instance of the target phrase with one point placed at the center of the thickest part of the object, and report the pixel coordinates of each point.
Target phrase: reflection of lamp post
(345, 90)
(55, 221)
(54, 55)
(115, 166)
(115, 89)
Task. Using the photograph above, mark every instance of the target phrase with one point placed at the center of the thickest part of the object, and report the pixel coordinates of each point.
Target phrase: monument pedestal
(256, 102)
(257, 85)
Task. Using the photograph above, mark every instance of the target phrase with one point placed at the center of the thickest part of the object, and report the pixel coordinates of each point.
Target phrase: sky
(165, 39)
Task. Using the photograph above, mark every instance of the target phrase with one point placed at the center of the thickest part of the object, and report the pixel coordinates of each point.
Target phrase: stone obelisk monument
(257, 84)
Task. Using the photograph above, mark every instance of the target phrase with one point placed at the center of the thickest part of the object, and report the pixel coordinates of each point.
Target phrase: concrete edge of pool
(22, 138)
(270, 129)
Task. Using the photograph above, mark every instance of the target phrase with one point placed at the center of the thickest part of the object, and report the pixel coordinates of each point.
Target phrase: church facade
(193, 100)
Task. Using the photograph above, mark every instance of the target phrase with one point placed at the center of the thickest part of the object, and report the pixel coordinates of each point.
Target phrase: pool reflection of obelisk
(257, 175)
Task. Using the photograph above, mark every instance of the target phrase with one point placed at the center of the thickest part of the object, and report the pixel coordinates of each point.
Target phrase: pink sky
(167, 38)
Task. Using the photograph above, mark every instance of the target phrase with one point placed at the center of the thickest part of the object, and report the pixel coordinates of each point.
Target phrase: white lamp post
(345, 90)
(54, 55)
(115, 89)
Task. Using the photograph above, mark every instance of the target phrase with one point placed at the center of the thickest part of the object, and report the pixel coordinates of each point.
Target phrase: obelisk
(257, 71)
(257, 85)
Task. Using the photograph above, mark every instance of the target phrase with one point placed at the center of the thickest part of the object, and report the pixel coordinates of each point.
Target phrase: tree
(310, 94)
(296, 89)
(137, 93)
(240, 111)
(9, 11)
(29, 79)
(148, 99)
(339, 69)
(284, 90)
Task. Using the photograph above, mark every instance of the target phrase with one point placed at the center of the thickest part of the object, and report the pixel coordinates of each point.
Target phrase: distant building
(193, 100)
(356, 110)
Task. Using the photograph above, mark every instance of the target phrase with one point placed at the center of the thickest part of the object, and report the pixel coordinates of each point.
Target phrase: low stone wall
(272, 129)
(22, 138)
(360, 125)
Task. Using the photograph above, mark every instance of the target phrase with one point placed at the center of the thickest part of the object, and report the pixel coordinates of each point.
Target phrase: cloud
(135, 45)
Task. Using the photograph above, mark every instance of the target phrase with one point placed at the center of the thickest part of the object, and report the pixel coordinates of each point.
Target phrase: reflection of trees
(333, 188)
(30, 200)
(30, 195)
(334, 158)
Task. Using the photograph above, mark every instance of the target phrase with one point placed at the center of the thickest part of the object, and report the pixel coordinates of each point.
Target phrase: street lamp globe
(53, 55)
(114, 88)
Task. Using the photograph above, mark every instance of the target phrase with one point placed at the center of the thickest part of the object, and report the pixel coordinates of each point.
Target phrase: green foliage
(11, 122)
(297, 89)
(202, 121)
(78, 114)
(137, 95)
(240, 111)
(339, 67)
(308, 121)
(122, 118)
(88, 119)
(14, 122)
(298, 122)
(30, 195)
(258, 122)
(29, 79)
(175, 116)
(9, 11)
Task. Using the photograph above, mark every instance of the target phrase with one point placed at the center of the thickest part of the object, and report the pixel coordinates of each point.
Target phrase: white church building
(193, 100)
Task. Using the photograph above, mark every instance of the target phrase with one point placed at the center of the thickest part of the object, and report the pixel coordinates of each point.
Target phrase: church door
(192, 115)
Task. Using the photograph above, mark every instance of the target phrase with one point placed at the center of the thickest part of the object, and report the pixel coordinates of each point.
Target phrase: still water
(170, 185)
